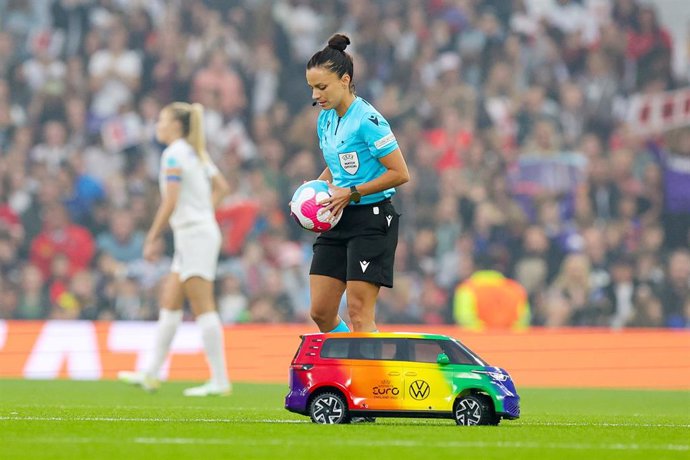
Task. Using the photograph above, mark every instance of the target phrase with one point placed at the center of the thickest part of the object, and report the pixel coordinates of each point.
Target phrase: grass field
(99, 420)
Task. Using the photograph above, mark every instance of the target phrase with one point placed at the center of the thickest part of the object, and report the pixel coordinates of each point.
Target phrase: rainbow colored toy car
(334, 377)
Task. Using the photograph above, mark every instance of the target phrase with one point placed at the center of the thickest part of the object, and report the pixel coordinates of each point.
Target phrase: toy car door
(377, 382)
(428, 385)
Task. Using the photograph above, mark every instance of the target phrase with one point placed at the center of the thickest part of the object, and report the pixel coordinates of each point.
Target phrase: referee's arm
(326, 175)
(396, 174)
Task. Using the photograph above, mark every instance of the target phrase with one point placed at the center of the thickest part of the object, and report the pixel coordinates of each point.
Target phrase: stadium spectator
(262, 310)
(8, 52)
(9, 299)
(397, 305)
(218, 79)
(233, 305)
(122, 240)
(129, 301)
(114, 74)
(45, 76)
(62, 302)
(81, 192)
(59, 236)
(649, 311)
(490, 301)
(33, 296)
(599, 90)
(433, 302)
(9, 265)
(675, 166)
(675, 290)
(649, 47)
(53, 152)
(574, 298)
(82, 290)
(621, 291)
(10, 222)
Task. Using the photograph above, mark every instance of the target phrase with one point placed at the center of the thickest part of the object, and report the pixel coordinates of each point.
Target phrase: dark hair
(334, 58)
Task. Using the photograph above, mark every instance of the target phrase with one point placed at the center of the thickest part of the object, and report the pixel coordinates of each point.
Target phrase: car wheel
(474, 410)
(492, 419)
(328, 408)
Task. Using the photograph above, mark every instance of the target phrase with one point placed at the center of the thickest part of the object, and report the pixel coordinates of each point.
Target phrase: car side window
(393, 349)
(373, 349)
(380, 349)
(424, 351)
(336, 348)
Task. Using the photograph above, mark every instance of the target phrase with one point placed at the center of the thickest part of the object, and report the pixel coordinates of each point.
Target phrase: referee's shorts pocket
(383, 217)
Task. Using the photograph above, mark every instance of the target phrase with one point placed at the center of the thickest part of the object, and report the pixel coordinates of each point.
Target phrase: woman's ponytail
(196, 136)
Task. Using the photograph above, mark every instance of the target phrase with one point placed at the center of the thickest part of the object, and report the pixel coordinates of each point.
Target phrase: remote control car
(335, 377)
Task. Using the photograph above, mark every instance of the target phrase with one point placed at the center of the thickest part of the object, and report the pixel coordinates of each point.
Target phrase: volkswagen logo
(419, 390)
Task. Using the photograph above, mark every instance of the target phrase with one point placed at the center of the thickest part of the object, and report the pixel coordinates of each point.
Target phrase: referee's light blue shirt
(353, 144)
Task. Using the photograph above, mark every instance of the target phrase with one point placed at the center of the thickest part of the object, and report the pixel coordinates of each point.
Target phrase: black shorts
(361, 247)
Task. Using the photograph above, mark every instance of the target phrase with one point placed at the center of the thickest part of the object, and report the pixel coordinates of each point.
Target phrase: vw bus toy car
(334, 377)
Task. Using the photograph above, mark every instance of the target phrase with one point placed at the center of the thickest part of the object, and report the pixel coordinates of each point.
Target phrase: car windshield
(460, 354)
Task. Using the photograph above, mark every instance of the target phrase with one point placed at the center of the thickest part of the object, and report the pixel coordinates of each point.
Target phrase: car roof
(376, 335)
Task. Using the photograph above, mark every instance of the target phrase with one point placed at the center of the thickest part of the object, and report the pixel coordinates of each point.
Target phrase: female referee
(191, 187)
(363, 165)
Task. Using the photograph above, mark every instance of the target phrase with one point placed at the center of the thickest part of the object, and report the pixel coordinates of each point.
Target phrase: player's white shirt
(194, 203)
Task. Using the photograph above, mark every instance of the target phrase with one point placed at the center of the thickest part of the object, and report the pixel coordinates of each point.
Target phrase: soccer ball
(305, 209)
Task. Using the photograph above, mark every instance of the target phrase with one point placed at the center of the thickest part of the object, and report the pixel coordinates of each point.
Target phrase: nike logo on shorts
(364, 264)
(388, 219)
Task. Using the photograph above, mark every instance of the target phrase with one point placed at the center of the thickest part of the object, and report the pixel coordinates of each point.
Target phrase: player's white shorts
(196, 251)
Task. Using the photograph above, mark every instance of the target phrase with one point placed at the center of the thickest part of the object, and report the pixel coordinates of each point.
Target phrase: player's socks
(212, 337)
(341, 327)
(168, 321)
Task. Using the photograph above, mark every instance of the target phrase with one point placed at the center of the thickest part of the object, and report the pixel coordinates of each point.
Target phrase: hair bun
(339, 42)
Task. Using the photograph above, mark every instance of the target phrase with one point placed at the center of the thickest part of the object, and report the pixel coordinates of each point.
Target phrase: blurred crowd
(507, 111)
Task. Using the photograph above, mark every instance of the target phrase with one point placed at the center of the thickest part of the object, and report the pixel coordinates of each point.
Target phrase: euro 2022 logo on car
(386, 390)
(419, 390)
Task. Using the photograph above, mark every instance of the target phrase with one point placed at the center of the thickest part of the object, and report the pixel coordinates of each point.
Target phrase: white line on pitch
(412, 443)
(608, 424)
(16, 418)
(240, 420)
(365, 442)
(128, 406)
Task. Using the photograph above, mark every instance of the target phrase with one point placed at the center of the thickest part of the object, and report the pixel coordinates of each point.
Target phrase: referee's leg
(326, 293)
(327, 283)
(361, 305)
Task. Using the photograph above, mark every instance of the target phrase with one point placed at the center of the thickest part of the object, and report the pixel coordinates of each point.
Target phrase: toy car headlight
(494, 375)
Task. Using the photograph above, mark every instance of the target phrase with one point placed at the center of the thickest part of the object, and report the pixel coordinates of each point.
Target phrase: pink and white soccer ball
(306, 210)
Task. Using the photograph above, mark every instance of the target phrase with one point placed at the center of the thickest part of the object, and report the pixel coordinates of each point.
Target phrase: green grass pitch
(103, 420)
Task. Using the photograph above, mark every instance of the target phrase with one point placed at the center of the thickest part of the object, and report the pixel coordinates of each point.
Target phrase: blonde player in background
(191, 188)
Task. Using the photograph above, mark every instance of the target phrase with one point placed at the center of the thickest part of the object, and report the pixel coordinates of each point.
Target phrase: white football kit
(195, 229)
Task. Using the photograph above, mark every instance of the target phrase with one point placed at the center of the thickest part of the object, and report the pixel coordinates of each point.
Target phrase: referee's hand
(340, 197)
